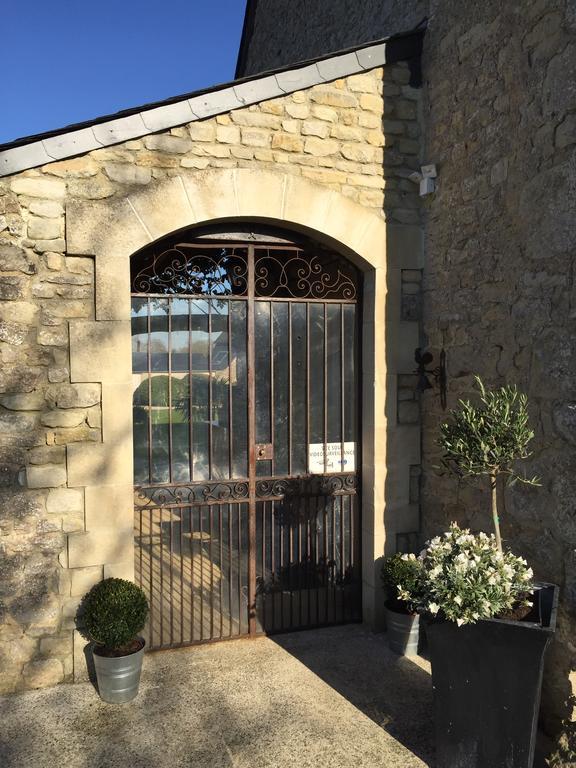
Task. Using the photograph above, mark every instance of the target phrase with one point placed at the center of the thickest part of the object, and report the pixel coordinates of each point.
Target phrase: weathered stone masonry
(65, 512)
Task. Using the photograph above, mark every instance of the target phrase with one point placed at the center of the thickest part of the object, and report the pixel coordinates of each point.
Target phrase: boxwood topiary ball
(114, 612)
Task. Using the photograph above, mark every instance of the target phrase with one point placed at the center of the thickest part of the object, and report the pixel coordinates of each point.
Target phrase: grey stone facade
(498, 285)
(312, 28)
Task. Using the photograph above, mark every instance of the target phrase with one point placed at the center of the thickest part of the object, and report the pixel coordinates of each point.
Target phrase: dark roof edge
(400, 47)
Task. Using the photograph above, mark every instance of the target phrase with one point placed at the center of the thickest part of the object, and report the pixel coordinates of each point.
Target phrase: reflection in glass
(316, 376)
(239, 384)
(281, 405)
(190, 389)
(333, 374)
(298, 388)
(219, 381)
(262, 370)
(350, 405)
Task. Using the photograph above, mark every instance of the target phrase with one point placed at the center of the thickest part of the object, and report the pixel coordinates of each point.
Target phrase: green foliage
(486, 439)
(403, 572)
(114, 612)
(465, 577)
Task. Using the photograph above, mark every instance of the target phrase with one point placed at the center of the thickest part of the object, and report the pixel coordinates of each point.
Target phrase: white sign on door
(321, 461)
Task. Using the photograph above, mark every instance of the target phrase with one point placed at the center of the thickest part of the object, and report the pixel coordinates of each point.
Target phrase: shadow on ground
(393, 691)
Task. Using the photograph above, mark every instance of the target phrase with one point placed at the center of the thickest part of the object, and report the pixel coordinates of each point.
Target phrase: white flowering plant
(465, 577)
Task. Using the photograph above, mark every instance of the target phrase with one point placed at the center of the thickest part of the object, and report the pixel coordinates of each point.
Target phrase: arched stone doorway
(100, 349)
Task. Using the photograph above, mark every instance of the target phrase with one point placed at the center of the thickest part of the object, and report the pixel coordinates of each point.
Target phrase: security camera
(425, 179)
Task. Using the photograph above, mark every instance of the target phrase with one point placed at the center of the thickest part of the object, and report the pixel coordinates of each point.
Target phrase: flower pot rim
(96, 646)
(388, 606)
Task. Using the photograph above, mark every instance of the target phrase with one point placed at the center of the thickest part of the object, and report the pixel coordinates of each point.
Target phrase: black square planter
(487, 679)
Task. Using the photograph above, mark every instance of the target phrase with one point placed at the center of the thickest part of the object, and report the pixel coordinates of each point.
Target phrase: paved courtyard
(330, 698)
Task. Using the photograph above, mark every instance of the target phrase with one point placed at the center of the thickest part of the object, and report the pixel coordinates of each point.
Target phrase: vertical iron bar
(343, 556)
(181, 511)
(308, 388)
(272, 425)
(210, 404)
(317, 558)
(273, 561)
(290, 570)
(334, 572)
(342, 397)
(210, 534)
(151, 577)
(264, 593)
(201, 553)
(230, 610)
(161, 579)
(325, 548)
(190, 411)
(290, 388)
(191, 547)
(308, 557)
(239, 568)
(149, 361)
(221, 566)
(171, 575)
(300, 569)
(281, 568)
(230, 408)
(251, 444)
(352, 537)
(325, 388)
(170, 436)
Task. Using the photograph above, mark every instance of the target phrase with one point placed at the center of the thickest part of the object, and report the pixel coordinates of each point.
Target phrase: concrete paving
(330, 698)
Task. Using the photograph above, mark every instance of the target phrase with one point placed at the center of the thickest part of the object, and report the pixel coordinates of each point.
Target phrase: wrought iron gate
(246, 406)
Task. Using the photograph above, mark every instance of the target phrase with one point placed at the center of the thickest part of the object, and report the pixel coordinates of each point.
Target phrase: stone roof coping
(41, 149)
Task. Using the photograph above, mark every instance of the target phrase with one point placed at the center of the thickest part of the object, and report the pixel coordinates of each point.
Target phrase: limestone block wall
(65, 436)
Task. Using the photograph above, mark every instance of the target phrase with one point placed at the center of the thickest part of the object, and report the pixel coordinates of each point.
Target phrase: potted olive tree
(402, 620)
(489, 625)
(114, 612)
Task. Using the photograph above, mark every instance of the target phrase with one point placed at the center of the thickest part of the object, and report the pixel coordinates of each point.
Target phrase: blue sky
(64, 61)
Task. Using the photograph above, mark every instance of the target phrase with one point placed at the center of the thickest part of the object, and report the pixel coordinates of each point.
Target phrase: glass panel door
(245, 439)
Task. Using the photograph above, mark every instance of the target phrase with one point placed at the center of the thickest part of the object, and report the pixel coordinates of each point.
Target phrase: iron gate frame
(238, 491)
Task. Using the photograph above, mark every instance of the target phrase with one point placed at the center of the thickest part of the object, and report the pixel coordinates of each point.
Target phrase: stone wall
(58, 533)
(499, 276)
(330, 25)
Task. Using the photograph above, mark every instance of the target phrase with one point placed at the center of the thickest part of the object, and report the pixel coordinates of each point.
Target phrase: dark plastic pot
(118, 676)
(403, 631)
(487, 679)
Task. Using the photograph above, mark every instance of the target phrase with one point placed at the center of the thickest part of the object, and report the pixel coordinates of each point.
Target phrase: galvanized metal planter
(118, 677)
(403, 631)
(487, 679)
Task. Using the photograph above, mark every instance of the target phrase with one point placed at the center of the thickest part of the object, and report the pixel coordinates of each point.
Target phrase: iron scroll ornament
(312, 485)
(294, 274)
(174, 271)
(186, 495)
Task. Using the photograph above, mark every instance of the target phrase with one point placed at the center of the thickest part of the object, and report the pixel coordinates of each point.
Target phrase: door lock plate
(263, 451)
